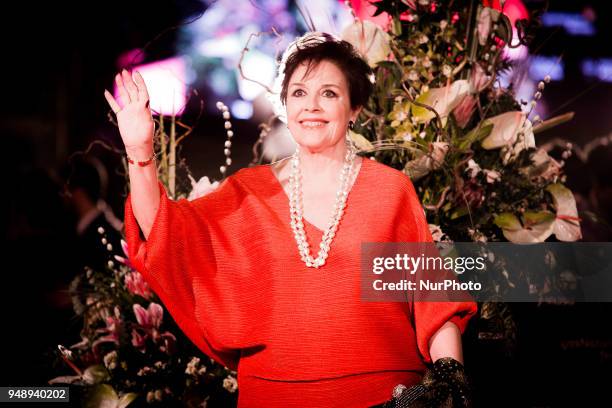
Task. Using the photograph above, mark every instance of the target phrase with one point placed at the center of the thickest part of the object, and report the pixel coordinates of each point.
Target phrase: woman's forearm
(446, 342)
(144, 188)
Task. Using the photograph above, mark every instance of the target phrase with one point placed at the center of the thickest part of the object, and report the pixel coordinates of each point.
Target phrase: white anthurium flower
(535, 226)
(369, 39)
(421, 166)
(567, 223)
(473, 168)
(201, 188)
(492, 176)
(442, 100)
(505, 129)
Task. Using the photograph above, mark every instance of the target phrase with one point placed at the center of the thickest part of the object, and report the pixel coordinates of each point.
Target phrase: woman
(235, 267)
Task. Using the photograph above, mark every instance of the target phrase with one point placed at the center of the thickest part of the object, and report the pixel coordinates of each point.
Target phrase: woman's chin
(315, 143)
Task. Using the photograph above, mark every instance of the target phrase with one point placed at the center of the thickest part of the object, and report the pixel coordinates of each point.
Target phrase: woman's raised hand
(134, 118)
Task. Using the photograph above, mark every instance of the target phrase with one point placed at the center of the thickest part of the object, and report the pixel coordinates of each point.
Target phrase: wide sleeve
(430, 316)
(175, 260)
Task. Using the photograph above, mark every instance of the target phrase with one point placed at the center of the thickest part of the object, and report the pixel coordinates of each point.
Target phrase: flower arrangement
(131, 351)
(440, 114)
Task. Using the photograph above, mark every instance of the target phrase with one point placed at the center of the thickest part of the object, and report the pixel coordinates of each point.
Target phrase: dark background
(59, 58)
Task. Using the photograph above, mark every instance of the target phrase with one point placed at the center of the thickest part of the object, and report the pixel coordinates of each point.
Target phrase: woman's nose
(312, 104)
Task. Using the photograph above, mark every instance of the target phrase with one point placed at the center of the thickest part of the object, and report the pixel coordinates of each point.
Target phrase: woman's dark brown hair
(341, 53)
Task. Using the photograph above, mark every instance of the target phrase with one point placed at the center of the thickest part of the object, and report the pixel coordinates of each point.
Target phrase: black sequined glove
(445, 385)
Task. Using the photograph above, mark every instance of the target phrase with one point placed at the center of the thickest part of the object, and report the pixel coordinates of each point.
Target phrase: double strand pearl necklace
(296, 209)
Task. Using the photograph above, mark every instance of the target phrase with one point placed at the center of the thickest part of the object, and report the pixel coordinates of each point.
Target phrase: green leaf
(532, 218)
(459, 212)
(507, 220)
(127, 399)
(102, 396)
(475, 135)
(95, 374)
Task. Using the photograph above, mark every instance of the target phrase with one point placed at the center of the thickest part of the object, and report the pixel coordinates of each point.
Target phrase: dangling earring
(349, 140)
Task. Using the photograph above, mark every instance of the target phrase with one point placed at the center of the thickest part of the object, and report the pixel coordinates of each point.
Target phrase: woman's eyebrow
(322, 86)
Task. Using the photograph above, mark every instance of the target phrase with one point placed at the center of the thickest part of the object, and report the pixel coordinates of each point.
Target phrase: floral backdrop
(439, 113)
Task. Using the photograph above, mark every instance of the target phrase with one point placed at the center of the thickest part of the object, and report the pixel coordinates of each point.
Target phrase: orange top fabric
(227, 268)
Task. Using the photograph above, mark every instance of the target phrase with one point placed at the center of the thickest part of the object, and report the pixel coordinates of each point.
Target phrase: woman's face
(318, 106)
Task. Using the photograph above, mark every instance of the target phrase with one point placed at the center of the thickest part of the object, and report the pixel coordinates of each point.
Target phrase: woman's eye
(329, 93)
(298, 92)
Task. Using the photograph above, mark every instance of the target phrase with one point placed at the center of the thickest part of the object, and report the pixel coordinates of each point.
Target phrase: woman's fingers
(143, 94)
(123, 94)
(112, 102)
(130, 86)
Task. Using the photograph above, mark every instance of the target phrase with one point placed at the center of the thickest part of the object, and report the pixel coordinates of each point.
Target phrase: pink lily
(150, 320)
(124, 259)
(111, 331)
(136, 285)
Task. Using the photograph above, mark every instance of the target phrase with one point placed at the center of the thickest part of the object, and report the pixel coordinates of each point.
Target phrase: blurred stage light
(227, 46)
(220, 81)
(242, 109)
(166, 85)
(516, 53)
(573, 23)
(541, 66)
(256, 66)
(600, 69)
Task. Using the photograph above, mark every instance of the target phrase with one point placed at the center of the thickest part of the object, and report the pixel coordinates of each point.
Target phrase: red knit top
(227, 268)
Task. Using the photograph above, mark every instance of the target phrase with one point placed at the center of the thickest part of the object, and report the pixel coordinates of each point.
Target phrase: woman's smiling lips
(313, 123)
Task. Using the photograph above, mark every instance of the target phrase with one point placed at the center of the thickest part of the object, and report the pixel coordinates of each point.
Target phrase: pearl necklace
(296, 209)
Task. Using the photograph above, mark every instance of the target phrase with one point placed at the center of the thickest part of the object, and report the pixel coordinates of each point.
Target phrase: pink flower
(138, 341)
(110, 333)
(410, 3)
(136, 285)
(492, 176)
(150, 318)
(124, 260)
(464, 110)
(478, 79)
(149, 321)
(167, 342)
